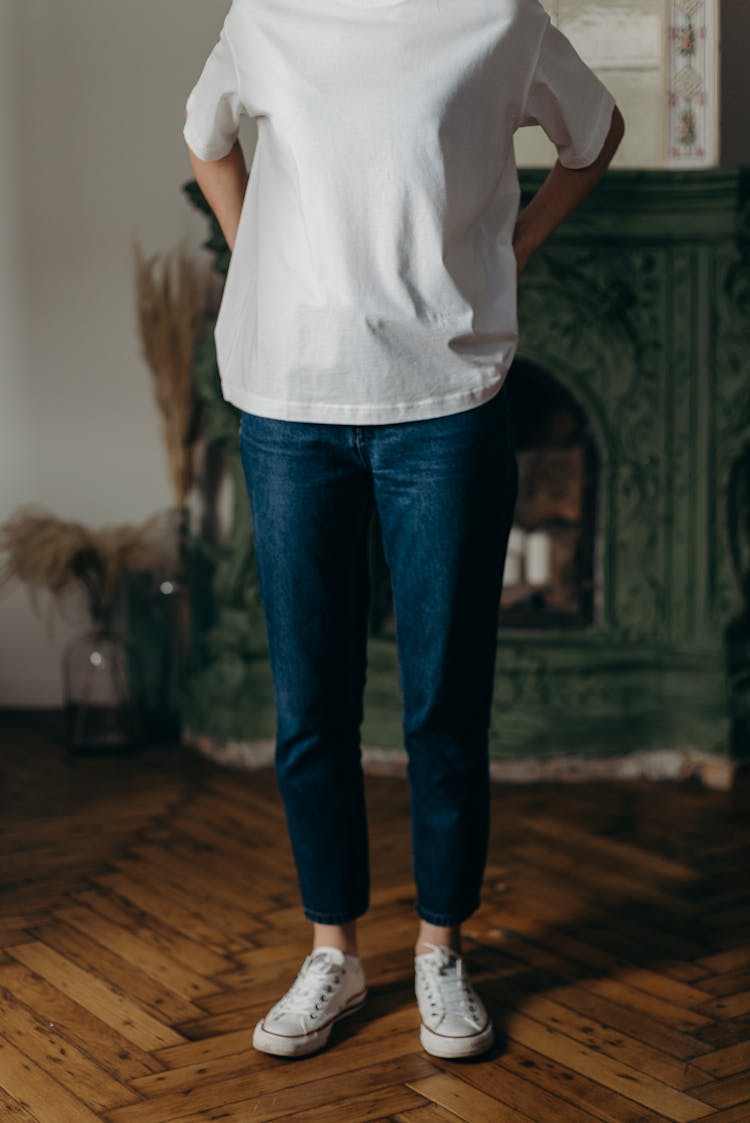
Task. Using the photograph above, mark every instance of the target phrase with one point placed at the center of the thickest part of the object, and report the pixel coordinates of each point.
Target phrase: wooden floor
(149, 915)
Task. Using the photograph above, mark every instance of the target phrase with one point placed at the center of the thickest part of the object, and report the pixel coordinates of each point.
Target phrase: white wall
(92, 96)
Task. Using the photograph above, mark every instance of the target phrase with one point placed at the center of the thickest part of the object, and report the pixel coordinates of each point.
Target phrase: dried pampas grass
(170, 313)
(46, 552)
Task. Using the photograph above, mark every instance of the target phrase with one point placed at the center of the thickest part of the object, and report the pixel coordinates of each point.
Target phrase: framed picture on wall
(660, 60)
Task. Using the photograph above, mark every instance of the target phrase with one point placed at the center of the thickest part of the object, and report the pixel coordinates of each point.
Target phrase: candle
(512, 570)
(537, 557)
(514, 557)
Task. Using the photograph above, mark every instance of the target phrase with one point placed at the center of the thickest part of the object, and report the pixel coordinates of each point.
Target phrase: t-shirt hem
(341, 414)
(203, 151)
(598, 135)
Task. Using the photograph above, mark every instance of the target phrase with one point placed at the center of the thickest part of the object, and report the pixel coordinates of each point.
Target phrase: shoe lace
(452, 988)
(311, 982)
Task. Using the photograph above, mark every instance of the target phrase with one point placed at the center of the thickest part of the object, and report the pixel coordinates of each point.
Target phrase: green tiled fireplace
(635, 319)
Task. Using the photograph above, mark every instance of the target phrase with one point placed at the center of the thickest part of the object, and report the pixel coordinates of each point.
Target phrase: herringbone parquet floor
(149, 914)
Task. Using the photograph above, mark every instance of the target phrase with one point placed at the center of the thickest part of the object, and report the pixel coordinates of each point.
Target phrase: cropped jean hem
(445, 920)
(335, 917)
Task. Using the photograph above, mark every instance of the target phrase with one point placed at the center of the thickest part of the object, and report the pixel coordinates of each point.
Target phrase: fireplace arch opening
(549, 576)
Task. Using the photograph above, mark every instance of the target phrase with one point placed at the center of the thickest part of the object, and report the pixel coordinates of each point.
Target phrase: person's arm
(223, 182)
(562, 191)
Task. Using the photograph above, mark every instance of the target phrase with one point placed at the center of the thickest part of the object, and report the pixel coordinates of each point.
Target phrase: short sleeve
(213, 106)
(568, 100)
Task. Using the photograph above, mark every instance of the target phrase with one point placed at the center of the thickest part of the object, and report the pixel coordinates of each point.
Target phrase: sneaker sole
(285, 1045)
(438, 1045)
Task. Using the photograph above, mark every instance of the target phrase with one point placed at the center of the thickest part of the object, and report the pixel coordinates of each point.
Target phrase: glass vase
(174, 609)
(99, 708)
(158, 620)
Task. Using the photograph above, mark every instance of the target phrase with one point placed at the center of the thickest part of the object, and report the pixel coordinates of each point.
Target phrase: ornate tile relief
(660, 60)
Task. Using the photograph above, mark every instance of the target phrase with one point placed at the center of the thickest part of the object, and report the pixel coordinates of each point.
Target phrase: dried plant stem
(170, 313)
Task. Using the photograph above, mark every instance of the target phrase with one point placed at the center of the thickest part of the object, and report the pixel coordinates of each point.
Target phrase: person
(365, 333)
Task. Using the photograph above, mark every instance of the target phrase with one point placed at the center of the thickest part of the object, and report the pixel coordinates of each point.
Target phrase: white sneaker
(329, 985)
(455, 1022)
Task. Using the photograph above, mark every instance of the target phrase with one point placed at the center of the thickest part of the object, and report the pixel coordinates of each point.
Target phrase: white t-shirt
(373, 277)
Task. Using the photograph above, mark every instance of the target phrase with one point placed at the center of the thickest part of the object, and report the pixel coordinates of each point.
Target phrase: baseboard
(708, 769)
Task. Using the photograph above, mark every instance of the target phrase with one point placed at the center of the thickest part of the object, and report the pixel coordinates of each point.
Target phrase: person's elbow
(613, 138)
(616, 132)
(617, 127)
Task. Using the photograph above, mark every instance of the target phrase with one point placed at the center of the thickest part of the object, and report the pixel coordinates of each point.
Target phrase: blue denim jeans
(445, 490)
